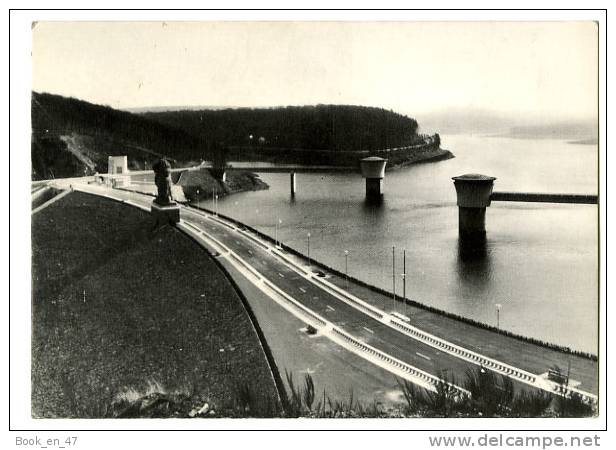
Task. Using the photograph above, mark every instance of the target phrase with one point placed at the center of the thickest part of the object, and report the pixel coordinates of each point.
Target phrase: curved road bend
(360, 325)
(367, 329)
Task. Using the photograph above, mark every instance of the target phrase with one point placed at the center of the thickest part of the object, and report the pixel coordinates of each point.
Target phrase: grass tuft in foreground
(489, 395)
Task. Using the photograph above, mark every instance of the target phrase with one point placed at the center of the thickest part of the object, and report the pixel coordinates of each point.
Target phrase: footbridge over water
(475, 193)
(371, 168)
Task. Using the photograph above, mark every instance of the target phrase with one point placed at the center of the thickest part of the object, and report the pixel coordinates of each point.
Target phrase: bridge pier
(373, 170)
(293, 181)
(474, 193)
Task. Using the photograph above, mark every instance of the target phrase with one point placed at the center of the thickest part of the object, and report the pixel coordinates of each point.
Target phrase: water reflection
(472, 247)
(373, 200)
(473, 265)
(374, 212)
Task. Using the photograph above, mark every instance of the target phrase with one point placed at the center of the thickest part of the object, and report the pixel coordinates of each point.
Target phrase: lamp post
(498, 307)
(346, 268)
(404, 279)
(278, 223)
(393, 273)
(309, 265)
(279, 227)
(216, 204)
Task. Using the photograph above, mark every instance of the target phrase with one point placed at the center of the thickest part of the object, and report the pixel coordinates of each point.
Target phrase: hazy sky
(540, 68)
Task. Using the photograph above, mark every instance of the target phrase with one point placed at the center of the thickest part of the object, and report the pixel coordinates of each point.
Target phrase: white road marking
(302, 289)
(281, 275)
(368, 330)
(329, 307)
(423, 356)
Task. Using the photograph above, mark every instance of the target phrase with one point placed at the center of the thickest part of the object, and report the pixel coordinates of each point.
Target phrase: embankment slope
(118, 309)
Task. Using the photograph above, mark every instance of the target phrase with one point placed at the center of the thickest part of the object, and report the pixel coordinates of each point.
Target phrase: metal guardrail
(306, 311)
(364, 307)
(315, 318)
(467, 354)
(432, 380)
(434, 341)
(421, 335)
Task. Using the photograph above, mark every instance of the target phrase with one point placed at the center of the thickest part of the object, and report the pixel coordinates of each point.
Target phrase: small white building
(118, 165)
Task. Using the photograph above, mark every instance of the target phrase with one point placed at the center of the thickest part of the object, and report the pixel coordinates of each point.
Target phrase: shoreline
(432, 156)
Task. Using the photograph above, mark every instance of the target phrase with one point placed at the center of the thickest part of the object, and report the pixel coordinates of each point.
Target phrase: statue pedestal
(166, 214)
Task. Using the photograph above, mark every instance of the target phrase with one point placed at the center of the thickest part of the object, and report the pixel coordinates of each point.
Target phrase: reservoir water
(539, 261)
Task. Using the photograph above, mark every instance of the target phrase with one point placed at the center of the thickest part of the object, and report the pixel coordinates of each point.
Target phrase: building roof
(373, 158)
(474, 177)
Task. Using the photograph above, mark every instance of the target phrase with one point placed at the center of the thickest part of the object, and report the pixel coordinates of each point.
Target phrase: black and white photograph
(314, 219)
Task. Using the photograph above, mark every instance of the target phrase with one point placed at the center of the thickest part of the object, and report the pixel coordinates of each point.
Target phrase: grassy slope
(156, 310)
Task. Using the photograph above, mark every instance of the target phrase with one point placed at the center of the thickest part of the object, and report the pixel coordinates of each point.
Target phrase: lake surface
(539, 261)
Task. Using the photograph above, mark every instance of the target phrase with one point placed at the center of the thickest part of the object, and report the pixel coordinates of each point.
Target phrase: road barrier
(431, 380)
(428, 381)
(422, 336)
(497, 366)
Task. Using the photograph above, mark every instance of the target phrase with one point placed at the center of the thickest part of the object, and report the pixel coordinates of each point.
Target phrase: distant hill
(71, 137)
(465, 121)
(523, 126)
(582, 131)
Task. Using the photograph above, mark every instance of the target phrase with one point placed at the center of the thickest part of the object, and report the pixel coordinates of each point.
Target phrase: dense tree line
(321, 127)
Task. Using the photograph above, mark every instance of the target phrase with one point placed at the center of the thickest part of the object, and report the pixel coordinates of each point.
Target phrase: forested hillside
(321, 127)
(71, 137)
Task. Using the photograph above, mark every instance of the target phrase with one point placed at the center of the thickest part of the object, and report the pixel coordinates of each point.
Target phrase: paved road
(330, 307)
(334, 369)
(368, 329)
